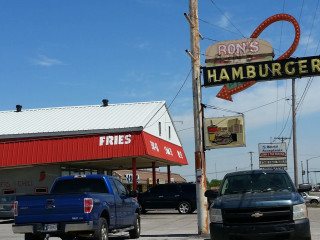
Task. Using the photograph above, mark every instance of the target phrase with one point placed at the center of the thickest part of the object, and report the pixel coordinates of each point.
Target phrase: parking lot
(166, 225)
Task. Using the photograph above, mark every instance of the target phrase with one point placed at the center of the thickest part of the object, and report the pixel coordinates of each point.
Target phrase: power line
(227, 18)
(314, 16)
(217, 26)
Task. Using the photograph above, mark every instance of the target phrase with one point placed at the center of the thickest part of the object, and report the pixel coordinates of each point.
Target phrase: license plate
(51, 227)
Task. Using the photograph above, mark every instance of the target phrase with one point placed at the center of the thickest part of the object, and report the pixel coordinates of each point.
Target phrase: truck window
(122, 191)
(80, 185)
(264, 182)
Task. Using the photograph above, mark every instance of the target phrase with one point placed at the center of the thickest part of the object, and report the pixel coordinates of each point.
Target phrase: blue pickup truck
(258, 204)
(78, 206)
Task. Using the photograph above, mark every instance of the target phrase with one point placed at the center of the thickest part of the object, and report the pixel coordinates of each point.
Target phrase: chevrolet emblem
(257, 215)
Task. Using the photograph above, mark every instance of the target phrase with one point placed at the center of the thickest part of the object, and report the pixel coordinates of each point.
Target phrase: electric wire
(227, 18)
(172, 101)
(280, 43)
(314, 16)
(217, 26)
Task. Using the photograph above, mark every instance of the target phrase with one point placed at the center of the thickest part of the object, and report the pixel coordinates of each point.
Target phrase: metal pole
(302, 172)
(251, 159)
(198, 113)
(295, 157)
(308, 171)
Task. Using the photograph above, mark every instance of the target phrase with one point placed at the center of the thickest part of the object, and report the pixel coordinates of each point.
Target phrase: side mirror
(304, 187)
(211, 194)
(133, 193)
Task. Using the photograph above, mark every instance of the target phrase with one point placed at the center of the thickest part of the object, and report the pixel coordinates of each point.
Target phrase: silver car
(310, 199)
(6, 207)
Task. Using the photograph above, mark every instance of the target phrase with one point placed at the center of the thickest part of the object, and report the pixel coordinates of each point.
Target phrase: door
(155, 197)
(125, 204)
(172, 196)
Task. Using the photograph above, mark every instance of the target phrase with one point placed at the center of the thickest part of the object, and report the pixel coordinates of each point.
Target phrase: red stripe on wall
(70, 148)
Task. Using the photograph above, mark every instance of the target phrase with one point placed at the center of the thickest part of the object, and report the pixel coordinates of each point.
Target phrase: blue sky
(69, 53)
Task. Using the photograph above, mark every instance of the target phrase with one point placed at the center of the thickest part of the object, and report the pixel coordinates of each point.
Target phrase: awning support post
(154, 177)
(169, 173)
(134, 173)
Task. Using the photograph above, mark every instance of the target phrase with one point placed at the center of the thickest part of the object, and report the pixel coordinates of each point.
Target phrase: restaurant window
(159, 128)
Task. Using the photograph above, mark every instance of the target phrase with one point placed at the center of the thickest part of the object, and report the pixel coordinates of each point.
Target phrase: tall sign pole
(200, 167)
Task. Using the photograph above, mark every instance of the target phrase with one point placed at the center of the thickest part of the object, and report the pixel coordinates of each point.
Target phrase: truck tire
(103, 229)
(184, 207)
(31, 236)
(314, 201)
(135, 233)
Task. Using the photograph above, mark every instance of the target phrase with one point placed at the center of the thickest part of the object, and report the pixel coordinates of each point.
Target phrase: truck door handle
(50, 201)
(177, 195)
(160, 196)
(51, 207)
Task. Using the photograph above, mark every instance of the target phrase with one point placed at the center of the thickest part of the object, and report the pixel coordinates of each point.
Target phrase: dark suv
(180, 196)
(259, 204)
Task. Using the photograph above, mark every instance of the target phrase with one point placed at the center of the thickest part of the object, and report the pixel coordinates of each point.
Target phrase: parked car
(310, 199)
(78, 206)
(6, 206)
(259, 204)
(180, 196)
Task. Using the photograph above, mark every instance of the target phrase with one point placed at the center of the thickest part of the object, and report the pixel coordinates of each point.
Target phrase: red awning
(89, 147)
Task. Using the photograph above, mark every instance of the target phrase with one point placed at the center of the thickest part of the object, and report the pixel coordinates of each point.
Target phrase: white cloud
(45, 61)
(224, 21)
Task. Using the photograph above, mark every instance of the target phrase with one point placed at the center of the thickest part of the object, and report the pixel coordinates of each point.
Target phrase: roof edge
(81, 132)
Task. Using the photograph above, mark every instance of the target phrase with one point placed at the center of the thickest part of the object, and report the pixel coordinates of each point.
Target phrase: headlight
(300, 211)
(216, 215)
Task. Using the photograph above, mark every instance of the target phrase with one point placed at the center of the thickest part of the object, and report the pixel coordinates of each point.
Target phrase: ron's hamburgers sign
(262, 71)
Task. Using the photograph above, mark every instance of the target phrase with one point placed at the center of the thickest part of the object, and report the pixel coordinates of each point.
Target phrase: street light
(308, 166)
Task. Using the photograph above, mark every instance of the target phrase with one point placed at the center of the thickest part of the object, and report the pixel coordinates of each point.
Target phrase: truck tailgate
(51, 208)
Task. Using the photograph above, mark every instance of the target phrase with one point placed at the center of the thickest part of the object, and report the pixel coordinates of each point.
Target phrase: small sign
(129, 178)
(273, 156)
(224, 132)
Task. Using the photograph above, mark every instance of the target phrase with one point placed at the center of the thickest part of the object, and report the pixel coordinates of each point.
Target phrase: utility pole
(294, 136)
(302, 172)
(200, 166)
(282, 138)
(251, 159)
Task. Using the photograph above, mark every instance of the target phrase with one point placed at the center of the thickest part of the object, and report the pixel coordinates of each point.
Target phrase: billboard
(224, 132)
(273, 156)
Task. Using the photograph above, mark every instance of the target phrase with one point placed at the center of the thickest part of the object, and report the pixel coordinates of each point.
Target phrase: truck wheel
(135, 233)
(184, 207)
(103, 229)
(31, 236)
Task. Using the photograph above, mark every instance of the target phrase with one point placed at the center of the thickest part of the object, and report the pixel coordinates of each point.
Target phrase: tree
(213, 183)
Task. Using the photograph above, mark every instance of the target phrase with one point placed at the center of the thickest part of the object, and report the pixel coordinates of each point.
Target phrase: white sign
(273, 156)
(129, 178)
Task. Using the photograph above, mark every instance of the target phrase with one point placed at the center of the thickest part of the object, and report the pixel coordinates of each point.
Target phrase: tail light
(88, 205)
(15, 208)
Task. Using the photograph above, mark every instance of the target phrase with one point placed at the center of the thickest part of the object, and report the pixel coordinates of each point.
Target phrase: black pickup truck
(258, 204)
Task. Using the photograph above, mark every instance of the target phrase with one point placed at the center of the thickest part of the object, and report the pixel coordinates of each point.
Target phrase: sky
(71, 53)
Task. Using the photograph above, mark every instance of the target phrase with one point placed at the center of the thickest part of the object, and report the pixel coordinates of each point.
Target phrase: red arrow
(226, 93)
